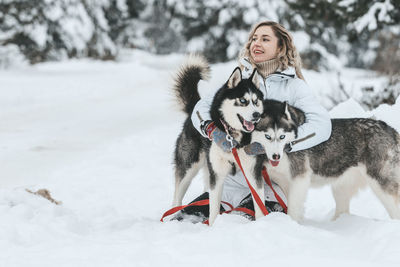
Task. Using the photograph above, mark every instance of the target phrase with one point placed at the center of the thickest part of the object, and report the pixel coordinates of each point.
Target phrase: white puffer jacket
(283, 86)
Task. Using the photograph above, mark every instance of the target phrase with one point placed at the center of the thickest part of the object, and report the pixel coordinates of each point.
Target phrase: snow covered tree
(162, 37)
(219, 28)
(361, 33)
(56, 29)
(346, 28)
(327, 32)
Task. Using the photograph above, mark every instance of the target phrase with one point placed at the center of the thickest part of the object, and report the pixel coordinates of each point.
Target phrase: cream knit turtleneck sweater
(268, 67)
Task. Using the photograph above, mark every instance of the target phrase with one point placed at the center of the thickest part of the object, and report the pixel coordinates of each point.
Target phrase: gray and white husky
(238, 103)
(359, 152)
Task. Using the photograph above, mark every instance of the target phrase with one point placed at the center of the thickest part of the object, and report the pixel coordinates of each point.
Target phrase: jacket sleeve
(202, 107)
(317, 117)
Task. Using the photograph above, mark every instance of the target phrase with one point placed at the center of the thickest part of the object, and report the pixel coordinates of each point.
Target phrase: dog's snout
(256, 115)
(276, 156)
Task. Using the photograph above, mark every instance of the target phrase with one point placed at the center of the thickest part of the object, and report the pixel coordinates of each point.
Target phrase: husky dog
(238, 103)
(359, 152)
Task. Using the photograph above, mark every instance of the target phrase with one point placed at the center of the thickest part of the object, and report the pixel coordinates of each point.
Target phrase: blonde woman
(271, 50)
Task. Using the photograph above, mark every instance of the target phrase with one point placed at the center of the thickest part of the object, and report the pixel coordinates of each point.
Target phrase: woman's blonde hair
(287, 55)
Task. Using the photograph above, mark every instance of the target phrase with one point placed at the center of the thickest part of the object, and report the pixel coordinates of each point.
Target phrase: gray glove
(219, 137)
(257, 149)
(254, 149)
(288, 147)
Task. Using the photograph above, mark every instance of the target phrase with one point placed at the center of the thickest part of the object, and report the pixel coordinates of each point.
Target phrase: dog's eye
(255, 102)
(268, 137)
(243, 101)
(282, 136)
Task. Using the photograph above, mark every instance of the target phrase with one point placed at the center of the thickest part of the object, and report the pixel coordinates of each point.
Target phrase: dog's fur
(194, 152)
(359, 152)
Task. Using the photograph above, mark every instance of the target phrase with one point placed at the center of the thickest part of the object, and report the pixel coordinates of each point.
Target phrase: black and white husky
(238, 103)
(359, 152)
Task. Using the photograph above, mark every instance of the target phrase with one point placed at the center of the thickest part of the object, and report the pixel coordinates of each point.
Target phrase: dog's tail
(194, 69)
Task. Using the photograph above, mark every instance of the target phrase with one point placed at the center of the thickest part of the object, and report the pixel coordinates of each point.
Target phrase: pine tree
(56, 29)
(219, 28)
(352, 24)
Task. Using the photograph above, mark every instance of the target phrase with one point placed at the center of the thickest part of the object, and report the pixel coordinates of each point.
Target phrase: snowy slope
(100, 137)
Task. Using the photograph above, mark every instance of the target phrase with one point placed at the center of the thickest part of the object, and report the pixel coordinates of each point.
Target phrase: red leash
(268, 181)
(245, 210)
(259, 202)
(178, 208)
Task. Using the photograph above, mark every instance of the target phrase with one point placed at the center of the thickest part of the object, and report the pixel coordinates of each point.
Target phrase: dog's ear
(264, 122)
(294, 114)
(297, 115)
(235, 78)
(287, 113)
(255, 79)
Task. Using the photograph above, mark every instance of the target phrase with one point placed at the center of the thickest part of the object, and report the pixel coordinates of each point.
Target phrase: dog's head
(239, 102)
(278, 127)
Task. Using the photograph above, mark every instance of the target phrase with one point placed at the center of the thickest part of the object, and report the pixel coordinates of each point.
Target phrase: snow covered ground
(100, 137)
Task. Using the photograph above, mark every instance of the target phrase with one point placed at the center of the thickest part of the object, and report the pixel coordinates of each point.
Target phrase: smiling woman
(269, 47)
(264, 44)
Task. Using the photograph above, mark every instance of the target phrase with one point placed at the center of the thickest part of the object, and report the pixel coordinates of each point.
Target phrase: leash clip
(229, 138)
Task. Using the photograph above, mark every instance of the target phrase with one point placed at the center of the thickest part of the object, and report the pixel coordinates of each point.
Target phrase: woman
(270, 49)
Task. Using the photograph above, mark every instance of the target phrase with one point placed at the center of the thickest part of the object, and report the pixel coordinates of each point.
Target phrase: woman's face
(264, 45)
